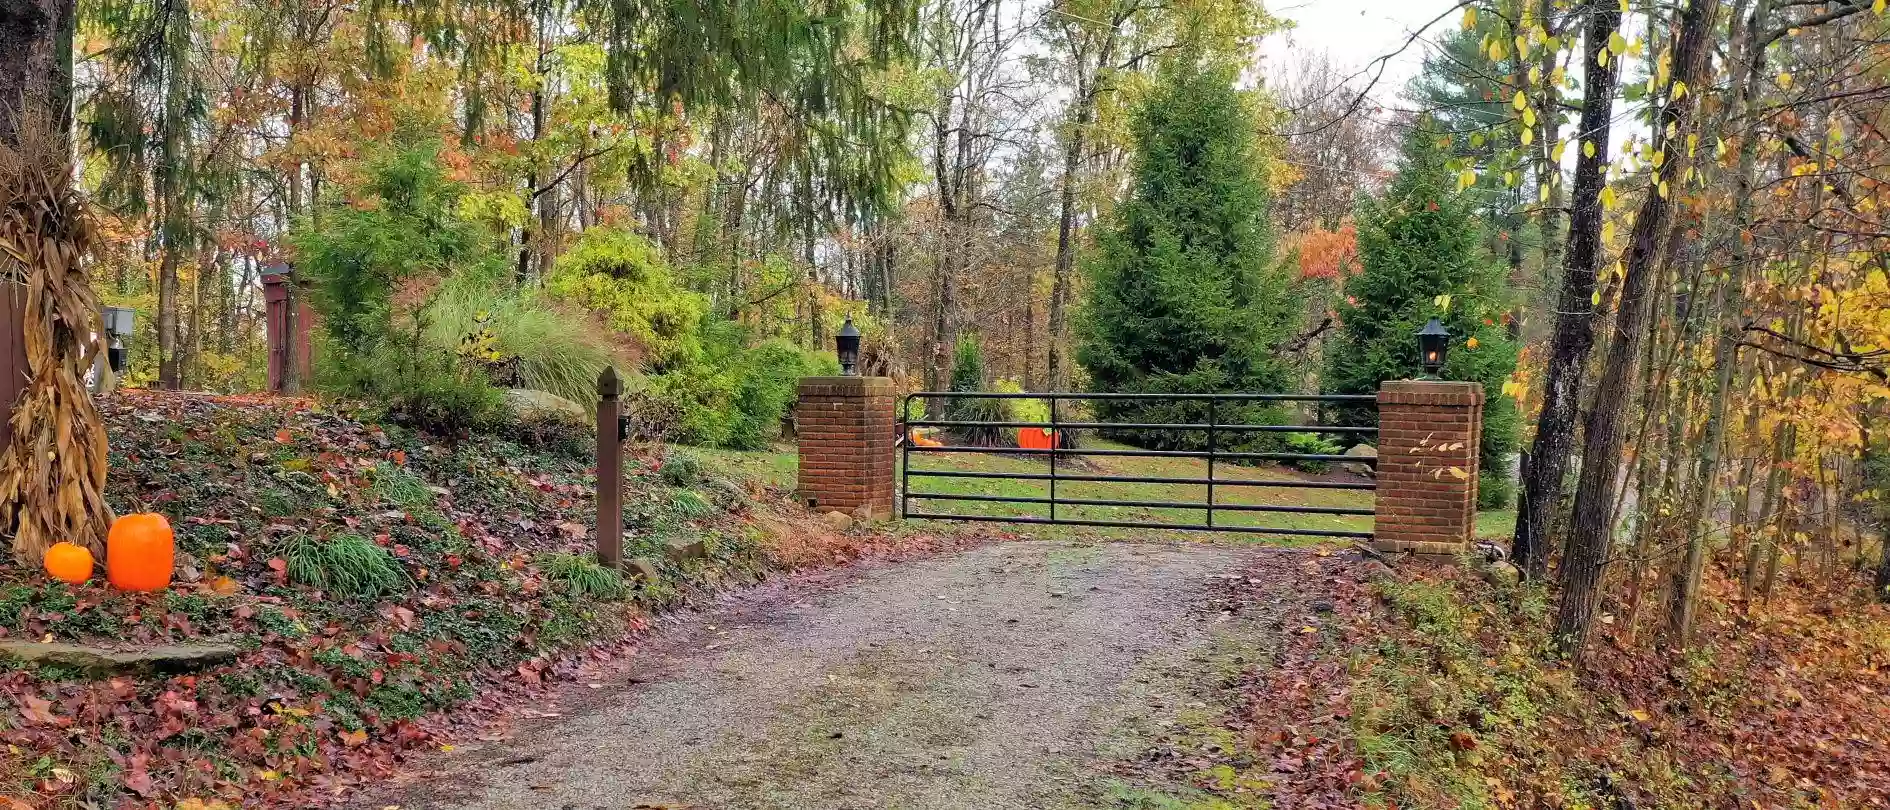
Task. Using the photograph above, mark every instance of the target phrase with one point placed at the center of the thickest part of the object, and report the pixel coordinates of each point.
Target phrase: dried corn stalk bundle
(52, 476)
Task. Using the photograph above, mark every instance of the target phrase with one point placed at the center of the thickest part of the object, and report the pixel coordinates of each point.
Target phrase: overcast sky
(1355, 32)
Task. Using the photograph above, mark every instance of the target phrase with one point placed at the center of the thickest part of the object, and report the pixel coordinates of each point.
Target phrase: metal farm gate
(1225, 428)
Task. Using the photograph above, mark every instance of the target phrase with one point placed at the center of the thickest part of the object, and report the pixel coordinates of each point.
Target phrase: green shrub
(766, 387)
(967, 376)
(681, 469)
(980, 409)
(398, 224)
(582, 576)
(623, 277)
(1494, 491)
(1022, 410)
(344, 565)
(555, 432)
(698, 405)
(737, 397)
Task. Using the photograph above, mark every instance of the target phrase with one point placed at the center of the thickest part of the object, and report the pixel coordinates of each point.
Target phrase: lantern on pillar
(1433, 344)
(846, 345)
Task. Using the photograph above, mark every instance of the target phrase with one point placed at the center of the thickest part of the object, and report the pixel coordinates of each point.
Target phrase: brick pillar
(846, 432)
(1428, 433)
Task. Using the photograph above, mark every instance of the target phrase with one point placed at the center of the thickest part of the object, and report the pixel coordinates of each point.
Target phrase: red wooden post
(275, 323)
(286, 320)
(609, 470)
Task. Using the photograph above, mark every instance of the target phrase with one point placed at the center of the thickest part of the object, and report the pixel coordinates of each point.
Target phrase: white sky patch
(1357, 32)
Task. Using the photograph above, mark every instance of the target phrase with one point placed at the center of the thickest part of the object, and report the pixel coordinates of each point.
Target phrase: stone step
(104, 661)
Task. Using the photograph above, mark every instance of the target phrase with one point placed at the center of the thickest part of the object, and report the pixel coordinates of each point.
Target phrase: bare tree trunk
(1590, 527)
(169, 368)
(1057, 377)
(35, 67)
(1575, 319)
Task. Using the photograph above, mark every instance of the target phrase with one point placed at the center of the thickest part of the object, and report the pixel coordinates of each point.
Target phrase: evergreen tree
(1420, 241)
(1184, 296)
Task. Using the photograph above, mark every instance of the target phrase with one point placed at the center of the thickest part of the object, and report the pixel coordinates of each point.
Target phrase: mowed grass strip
(1139, 467)
(779, 466)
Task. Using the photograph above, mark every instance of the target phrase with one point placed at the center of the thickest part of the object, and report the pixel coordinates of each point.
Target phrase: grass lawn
(778, 466)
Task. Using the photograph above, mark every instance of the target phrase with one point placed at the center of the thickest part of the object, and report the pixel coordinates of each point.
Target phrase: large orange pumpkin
(1031, 438)
(67, 562)
(140, 552)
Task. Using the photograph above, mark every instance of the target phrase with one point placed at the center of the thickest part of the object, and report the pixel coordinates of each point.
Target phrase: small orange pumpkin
(140, 552)
(68, 562)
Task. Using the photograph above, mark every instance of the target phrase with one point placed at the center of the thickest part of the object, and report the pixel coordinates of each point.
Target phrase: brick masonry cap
(1450, 393)
(846, 387)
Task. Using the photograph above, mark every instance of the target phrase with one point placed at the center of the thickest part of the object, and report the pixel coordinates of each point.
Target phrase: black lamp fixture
(1433, 343)
(118, 326)
(846, 344)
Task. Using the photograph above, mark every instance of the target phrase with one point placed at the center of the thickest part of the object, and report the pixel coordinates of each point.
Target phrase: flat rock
(1502, 575)
(161, 658)
(838, 521)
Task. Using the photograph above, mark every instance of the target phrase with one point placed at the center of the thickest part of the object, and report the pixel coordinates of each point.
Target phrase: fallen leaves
(39, 711)
(240, 476)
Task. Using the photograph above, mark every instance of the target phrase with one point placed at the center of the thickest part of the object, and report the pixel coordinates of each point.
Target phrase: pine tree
(1423, 240)
(1184, 295)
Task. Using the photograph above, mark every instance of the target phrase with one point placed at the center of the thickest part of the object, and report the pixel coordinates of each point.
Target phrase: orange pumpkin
(140, 552)
(1031, 438)
(68, 562)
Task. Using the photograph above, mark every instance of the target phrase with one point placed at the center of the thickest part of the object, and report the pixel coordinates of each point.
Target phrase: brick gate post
(845, 430)
(1428, 432)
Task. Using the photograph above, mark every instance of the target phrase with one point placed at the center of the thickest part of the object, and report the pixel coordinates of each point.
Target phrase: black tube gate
(1215, 432)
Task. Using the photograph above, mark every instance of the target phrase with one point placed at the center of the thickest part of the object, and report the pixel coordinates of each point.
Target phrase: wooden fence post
(609, 470)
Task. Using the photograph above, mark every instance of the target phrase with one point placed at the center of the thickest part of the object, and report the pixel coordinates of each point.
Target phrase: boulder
(678, 550)
(838, 521)
(529, 402)
(1502, 575)
(105, 661)
(1362, 451)
(641, 568)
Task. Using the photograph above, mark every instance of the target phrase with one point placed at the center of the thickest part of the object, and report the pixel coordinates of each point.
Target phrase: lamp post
(1433, 344)
(846, 345)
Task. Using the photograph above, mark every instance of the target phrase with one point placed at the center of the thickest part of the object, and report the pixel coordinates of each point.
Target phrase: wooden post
(609, 470)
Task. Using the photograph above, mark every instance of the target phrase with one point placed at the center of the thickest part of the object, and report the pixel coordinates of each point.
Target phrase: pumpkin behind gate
(140, 552)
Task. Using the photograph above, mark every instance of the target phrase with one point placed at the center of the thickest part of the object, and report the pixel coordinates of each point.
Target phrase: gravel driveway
(1009, 675)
